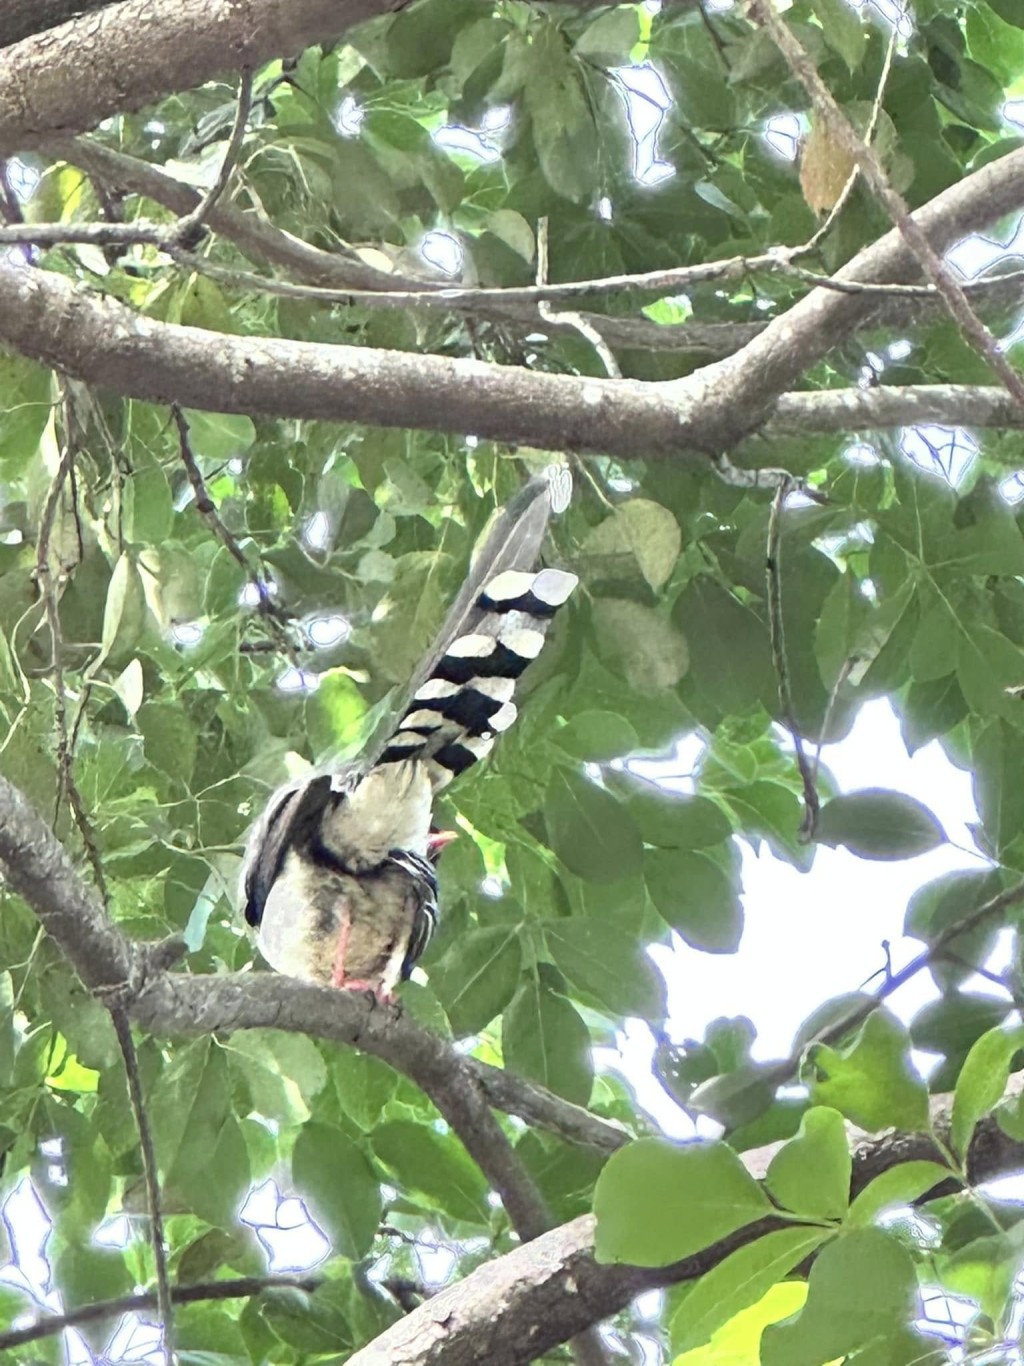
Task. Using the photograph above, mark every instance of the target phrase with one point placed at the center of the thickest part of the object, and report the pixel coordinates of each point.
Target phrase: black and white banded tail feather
(462, 698)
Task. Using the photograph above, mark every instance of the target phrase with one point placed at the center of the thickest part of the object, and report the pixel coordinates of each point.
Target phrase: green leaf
(544, 1039)
(998, 753)
(698, 893)
(124, 611)
(656, 1203)
(639, 535)
(738, 1342)
(739, 1281)
(1008, 11)
(564, 133)
(810, 1174)
(589, 830)
(338, 1185)
(597, 736)
(309, 1322)
(730, 655)
(475, 979)
(610, 39)
(675, 820)
(607, 966)
(364, 1085)
(862, 1289)
(949, 900)
(879, 824)
(282, 1072)
(169, 738)
(436, 1165)
(982, 1081)
(335, 713)
(844, 30)
(872, 1081)
(900, 1185)
(219, 436)
(640, 644)
(198, 1143)
(951, 1025)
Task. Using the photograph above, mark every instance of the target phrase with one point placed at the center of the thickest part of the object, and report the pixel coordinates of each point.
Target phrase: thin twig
(239, 1287)
(191, 226)
(773, 572)
(786, 1070)
(123, 1031)
(67, 787)
(278, 618)
(566, 316)
(764, 13)
(837, 208)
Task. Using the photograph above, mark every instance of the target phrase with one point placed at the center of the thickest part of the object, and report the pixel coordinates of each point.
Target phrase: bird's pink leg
(344, 934)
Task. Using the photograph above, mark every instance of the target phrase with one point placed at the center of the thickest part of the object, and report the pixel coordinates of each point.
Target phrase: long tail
(461, 699)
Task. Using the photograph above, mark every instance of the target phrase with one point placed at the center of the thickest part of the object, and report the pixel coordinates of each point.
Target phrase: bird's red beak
(438, 840)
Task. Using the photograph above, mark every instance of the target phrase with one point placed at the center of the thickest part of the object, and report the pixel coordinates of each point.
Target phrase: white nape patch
(423, 717)
(553, 586)
(473, 646)
(524, 643)
(512, 584)
(503, 717)
(435, 688)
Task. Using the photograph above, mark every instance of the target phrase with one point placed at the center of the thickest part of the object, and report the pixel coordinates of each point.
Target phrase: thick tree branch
(512, 1309)
(37, 868)
(99, 340)
(748, 383)
(129, 55)
(103, 342)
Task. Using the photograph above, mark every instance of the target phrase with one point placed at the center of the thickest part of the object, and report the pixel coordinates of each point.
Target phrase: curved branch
(129, 55)
(101, 341)
(37, 868)
(749, 382)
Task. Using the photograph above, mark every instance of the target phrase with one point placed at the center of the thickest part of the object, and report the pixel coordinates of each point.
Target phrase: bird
(339, 876)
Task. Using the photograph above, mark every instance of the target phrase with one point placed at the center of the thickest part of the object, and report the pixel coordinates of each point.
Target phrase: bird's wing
(291, 815)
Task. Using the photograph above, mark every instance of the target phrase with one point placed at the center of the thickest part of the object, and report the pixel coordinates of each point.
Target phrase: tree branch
(847, 410)
(239, 1287)
(100, 340)
(511, 1310)
(129, 55)
(749, 382)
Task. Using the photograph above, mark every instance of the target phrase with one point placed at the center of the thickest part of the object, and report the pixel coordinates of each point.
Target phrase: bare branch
(850, 410)
(130, 1057)
(49, 318)
(777, 634)
(129, 55)
(190, 228)
(239, 1287)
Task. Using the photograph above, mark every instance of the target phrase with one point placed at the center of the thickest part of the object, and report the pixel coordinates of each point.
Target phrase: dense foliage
(188, 688)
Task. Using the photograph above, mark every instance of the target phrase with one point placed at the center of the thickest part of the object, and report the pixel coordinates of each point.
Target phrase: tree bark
(129, 55)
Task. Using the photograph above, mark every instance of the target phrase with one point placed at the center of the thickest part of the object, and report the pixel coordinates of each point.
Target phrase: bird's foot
(377, 995)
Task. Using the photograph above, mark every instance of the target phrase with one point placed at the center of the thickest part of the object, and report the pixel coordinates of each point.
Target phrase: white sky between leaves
(807, 937)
